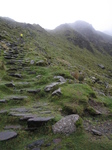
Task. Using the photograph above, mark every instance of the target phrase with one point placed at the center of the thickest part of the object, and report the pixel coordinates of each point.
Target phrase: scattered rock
(66, 125)
(56, 141)
(101, 66)
(12, 127)
(3, 101)
(15, 75)
(45, 112)
(51, 86)
(39, 76)
(41, 63)
(10, 84)
(38, 121)
(6, 135)
(18, 98)
(21, 110)
(61, 79)
(34, 91)
(32, 62)
(36, 144)
(95, 132)
(57, 92)
(3, 111)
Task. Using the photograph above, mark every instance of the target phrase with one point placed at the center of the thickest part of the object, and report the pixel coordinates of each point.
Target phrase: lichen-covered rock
(66, 125)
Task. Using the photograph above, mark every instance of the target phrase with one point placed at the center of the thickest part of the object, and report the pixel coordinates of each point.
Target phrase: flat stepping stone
(7, 135)
(16, 75)
(34, 91)
(96, 132)
(21, 110)
(51, 86)
(20, 114)
(17, 98)
(25, 118)
(35, 145)
(3, 111)
(45, 112)
(57, 92)
(38, 121)
(61, 79)
(12, 127)
(41, 63)
(3, 101)
(10, 84)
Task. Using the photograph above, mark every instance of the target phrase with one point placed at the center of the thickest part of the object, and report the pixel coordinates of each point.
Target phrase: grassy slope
(64, 58)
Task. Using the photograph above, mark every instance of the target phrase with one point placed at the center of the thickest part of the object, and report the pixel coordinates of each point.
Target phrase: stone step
(38, 121)
(34, 91)
(6, 135)
(3, 101)
(17, 98)
(15, 75)
(10, 84)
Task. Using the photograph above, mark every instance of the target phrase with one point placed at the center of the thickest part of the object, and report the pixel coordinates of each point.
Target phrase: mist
(50, 14)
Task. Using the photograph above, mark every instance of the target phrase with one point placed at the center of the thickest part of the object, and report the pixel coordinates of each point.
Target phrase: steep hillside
(46, 76)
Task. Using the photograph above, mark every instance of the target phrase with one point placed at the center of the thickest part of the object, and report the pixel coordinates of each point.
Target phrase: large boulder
(66, 125)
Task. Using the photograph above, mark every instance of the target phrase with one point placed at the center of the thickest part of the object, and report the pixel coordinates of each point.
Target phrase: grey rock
(41, 63)
(10, 84)
(21, 110)
(57, 92)
(12, 127)
(32, 72)
(18, 98)
(39, 76)
(66, 125)
(96, 132)
(6, 135)
(32, 62)
(45, 112)
(51, 86)
(61, 79)
(3, 101)
(36, 144)
(38, 121)
(26, 117)
(34, 91)
(20, 114)
(101, 66)
(36, 148)
(15, 75)
(3, 111)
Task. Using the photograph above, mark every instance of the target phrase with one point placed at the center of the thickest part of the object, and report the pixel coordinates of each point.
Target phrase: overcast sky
(51, 13)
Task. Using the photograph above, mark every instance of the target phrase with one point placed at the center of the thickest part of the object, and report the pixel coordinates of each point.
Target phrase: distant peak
(81, 25)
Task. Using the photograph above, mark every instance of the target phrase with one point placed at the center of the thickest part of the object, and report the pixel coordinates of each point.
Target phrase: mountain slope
(47, 75)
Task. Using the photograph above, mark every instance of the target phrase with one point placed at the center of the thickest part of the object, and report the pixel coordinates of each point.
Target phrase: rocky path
(19, 71)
